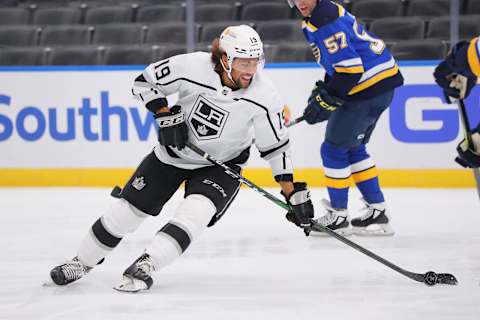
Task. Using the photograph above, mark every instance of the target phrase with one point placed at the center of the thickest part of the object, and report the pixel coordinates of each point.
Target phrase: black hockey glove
(173, 130)
(301, 207)
(321, 104)
(467, 156)
(445, 74)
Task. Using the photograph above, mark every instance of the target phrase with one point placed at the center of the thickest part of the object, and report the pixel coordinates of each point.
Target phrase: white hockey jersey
(222, 122)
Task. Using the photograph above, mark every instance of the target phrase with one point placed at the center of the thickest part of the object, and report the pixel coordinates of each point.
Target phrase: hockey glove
(446, 74)
(321, 104)
(173, 130)
(301, 207)
(467, 156)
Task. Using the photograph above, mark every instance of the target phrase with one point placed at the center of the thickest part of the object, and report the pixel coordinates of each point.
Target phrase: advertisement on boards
(87, 118)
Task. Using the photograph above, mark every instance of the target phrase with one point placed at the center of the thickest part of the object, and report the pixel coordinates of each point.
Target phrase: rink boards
(80, 126)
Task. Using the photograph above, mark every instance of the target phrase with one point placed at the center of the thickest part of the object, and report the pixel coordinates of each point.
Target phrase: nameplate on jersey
(206, 119)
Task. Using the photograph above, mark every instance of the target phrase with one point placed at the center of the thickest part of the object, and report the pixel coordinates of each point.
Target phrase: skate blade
(373, 231)
(346, 232)
(130, 285)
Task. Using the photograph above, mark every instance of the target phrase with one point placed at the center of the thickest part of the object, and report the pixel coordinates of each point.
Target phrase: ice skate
(137, 277)
(375, 222)
(334, 219)
(69, 272)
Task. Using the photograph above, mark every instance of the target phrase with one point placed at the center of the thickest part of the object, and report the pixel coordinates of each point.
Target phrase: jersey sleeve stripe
(275, 150)
(354, 65)
(377, 69)
(375, 79)
(355, 69)
(349, 63)
(474, 56)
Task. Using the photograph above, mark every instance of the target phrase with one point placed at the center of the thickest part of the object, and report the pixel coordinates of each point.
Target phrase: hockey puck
(430, 278)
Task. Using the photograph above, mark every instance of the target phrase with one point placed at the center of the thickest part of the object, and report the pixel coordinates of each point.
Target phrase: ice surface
(252, 265)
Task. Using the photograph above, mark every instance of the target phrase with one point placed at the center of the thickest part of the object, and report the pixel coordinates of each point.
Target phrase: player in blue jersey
(463, 60)
(361, 76)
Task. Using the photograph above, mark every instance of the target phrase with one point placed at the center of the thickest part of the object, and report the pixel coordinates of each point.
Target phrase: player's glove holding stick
(301, 207)
(453, 76)
(321, 104)
(173, 129)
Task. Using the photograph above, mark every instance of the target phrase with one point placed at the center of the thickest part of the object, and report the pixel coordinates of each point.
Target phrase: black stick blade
(447, 278)
(431, 278)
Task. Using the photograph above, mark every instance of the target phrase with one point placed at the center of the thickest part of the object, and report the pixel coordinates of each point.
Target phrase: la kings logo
(206, 119)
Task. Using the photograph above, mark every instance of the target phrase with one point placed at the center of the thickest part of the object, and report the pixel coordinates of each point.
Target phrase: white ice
(252, 265)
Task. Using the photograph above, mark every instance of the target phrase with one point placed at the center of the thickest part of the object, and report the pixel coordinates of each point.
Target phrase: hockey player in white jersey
(225, 104)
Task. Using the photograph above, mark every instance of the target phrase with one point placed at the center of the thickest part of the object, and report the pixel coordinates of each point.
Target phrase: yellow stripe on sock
(338, 183)
(365, 175)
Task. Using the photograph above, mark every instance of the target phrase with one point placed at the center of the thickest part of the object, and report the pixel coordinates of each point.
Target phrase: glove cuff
(170, 119)
(298, 186)
(299, 195)
(154, 105)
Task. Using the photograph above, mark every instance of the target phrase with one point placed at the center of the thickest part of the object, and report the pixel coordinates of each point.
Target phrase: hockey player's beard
(240, 84)
(233, 78)
(235, 82)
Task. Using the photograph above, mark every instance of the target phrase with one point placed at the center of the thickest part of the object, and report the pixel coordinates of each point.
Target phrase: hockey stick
(430, 278)
(295, 121)
(468, 136)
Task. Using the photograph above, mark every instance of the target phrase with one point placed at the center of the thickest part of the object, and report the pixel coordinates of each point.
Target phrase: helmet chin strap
(229, 73)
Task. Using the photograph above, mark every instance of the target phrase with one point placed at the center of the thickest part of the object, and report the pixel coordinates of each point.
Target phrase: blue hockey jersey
(358, 64)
